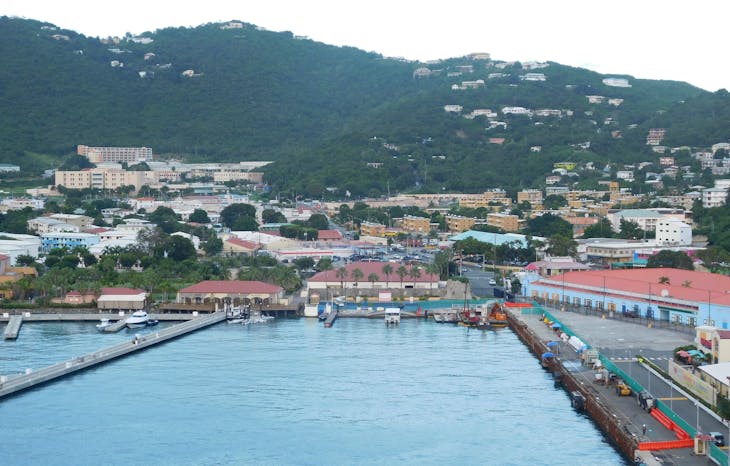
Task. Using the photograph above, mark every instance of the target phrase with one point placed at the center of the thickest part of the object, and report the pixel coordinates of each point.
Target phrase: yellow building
(565, 165)
(416, 224)
(505, 221)
(533, 196)
(458, 224)
(487, 200)
(372, 229)
(100, 178)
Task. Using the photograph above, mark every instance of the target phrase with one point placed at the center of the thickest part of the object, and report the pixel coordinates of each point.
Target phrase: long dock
(14, 384)
(13, 328)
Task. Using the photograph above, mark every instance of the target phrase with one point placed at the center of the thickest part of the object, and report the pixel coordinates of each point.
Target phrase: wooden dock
(13, 328)
(13, 384)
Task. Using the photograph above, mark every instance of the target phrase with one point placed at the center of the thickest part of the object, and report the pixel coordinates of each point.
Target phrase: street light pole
(697, 407)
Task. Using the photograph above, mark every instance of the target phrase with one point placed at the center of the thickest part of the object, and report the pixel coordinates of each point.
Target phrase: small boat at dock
(392, 316)
(138, 319)
(103, 324)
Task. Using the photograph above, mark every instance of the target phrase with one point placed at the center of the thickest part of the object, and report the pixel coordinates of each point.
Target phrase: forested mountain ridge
(331, 117)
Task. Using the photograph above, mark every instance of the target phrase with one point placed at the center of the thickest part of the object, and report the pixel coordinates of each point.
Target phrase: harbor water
(294, 392)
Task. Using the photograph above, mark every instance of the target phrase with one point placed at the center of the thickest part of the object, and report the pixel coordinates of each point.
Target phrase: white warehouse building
(672, 232)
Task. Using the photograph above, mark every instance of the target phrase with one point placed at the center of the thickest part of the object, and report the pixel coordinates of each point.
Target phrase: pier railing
(12, 384)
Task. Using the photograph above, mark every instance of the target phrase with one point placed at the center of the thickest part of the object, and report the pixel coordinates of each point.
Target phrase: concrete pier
(13, 328)
(13, 384)
(116, 326)
(331, 318)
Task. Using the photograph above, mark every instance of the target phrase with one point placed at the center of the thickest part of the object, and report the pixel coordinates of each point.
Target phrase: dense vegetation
(323, 113)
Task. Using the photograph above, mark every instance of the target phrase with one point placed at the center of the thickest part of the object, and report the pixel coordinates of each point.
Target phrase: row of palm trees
(401, 271)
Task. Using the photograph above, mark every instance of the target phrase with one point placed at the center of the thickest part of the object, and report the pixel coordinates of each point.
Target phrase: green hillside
(331, 117)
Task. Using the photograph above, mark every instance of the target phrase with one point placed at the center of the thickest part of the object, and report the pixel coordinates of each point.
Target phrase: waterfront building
(673, 295)
(415, 278)
(236, 292)
(121, 299)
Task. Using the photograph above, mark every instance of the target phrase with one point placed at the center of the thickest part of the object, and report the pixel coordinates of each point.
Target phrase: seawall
(606, 420)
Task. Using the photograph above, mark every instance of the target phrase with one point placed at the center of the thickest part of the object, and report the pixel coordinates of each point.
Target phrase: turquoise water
(294, 392)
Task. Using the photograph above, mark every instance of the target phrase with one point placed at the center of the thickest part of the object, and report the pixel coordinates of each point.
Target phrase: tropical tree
(664, 280)
(234, 212)
(415, 274)
(672, 259)
(372, 278)
(559, 245)
(387, 270)
(602, 229)
(324, 263)
(401, 271)
(357, 275)
(199, 216)
(341, 273)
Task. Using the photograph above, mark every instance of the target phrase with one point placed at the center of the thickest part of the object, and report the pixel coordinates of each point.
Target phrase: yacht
(103, 324)
(138, 319)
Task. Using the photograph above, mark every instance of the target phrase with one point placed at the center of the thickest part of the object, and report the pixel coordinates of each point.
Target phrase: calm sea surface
(294, 392)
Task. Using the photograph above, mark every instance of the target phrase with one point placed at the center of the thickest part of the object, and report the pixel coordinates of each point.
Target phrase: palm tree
(433, 269)
(664, 280)
(341, 273)
(387, 270)
(401, 271)
(415, 273)
(372, 278)
(356, 275)
(687, 284)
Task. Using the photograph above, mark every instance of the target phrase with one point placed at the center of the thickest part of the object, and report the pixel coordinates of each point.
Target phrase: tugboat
(497, 317)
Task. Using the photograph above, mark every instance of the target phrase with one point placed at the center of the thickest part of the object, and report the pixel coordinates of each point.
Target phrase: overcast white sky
(671, 39)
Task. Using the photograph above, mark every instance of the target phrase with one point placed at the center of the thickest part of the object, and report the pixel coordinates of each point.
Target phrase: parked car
(492, 281)
(717, 438)
(645, 400)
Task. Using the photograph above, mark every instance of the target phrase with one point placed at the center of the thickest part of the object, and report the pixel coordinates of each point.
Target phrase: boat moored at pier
(138, 319)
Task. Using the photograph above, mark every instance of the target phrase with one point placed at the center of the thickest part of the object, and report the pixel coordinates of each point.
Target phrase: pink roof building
(374, 270)
(675, 295)
(235, 291)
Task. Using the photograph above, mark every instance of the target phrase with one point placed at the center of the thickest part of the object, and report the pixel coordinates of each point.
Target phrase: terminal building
(673, 295)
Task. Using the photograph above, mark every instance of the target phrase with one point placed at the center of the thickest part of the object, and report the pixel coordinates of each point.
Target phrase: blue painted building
(673, 295)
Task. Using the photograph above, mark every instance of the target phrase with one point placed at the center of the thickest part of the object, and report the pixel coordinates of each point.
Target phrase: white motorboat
(103, 324)
(138, 319)
(392, 316)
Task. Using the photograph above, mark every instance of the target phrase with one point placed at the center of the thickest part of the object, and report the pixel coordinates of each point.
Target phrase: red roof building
(234, 245)
(373, 277)
(231, 291)
(329, 235)
(675, 295)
